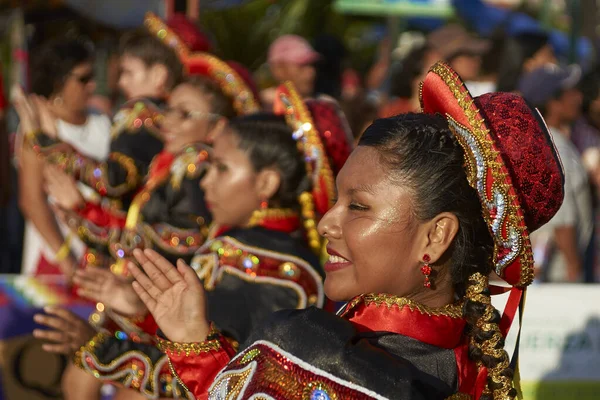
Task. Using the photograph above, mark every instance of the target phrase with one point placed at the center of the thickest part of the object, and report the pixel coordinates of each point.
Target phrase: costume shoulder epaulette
(190, 163)
(226, 255)
(135, 115)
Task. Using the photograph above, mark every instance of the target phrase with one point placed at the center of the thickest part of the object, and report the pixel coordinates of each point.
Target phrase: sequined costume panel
(249, 273)
(380, 347)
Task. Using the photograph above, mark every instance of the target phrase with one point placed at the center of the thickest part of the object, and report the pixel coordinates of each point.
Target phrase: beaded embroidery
(276, 374)
(227, 255)
(500, 207)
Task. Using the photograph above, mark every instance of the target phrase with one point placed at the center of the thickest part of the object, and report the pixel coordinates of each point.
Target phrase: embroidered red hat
(235, 82)
(510, 160)
(179, 33)
(323, 135)
(325, 140)
(189, 33)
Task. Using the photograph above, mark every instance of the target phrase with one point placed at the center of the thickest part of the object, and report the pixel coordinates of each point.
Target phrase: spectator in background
(522, 54)
(292, 58)
(460, 49)
(561, 247)
(62, 75)
(406, 77)
(586, 138)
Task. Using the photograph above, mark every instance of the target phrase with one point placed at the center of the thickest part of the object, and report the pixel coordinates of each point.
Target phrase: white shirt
(576, 211)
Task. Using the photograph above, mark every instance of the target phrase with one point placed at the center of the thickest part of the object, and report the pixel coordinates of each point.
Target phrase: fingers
(53, 336)
(58, 348)
(189, 275)
(66, 315)
(98, 275)
(144, 296)
(165, 266)
(145, 281)
(52, 322)
(156, 274)
(89, 284)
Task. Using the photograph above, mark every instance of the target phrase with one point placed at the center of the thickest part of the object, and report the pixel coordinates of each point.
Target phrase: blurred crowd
(62, 76)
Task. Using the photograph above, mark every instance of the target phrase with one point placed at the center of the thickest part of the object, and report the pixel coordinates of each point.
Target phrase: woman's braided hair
(424, 155)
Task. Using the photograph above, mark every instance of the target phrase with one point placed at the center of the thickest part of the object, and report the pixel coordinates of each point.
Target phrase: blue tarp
(130, 13)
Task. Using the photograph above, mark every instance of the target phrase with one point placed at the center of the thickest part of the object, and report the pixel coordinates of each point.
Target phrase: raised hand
(174, 296)
(26, 108)
(62, 188)
(46, 116)
(67, 331)
(114, 291)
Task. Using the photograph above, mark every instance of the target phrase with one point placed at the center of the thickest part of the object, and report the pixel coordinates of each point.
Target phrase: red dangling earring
(264, 205)
(426, 270)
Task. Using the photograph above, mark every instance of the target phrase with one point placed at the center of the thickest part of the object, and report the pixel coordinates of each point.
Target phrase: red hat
(237, 85)
(510, 160)
(189, 32)
(179, 33)
(324, 137)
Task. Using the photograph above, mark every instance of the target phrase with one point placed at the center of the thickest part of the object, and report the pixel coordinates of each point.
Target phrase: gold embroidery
(95, 175)
(229, 81)
(490, 347)
(179, 380)
(259, 216)
(378, 299)
(459, 396)
(230, 384)
(231, 256)
(513, 218)
(188, 348)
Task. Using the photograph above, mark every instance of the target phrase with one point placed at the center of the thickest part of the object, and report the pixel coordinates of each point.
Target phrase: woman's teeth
(337, 259)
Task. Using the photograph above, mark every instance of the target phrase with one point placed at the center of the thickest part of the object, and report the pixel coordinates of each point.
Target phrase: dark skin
(375, 242)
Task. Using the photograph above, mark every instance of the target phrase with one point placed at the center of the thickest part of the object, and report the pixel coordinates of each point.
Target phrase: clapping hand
(114, 291)
(174, 296)
(62, 188)
(67, 331)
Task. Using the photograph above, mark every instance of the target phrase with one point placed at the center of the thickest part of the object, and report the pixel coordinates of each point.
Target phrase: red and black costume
(135, 141)
(388, 347)
(248, 273)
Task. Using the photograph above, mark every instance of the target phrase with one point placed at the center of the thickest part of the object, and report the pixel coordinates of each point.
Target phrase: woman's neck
(75, 117)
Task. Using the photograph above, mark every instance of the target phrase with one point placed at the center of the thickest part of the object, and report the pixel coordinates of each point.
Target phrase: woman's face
(230, 185)
(375, 242)
(188, 118)
(134, 78)
(79, 87)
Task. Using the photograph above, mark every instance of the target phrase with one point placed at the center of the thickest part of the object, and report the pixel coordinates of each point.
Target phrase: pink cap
(292, 49)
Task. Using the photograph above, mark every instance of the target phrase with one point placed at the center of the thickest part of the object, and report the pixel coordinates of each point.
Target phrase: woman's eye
(357, 207)
(221, 167)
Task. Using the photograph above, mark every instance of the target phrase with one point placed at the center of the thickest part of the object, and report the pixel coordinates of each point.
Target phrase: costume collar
(442, 327)
(274, 219)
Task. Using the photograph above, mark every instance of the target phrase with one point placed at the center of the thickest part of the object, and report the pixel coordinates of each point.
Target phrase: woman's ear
(440, 232)
(216, 130)
(267, 183)
(159, 77)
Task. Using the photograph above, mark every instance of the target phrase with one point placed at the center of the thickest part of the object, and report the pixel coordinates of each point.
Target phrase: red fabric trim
(480, 383)
(438, 330)
(100, 217)
(46, 267)
(466, 369)
(510, 310)
(287, 225)
(198, 371)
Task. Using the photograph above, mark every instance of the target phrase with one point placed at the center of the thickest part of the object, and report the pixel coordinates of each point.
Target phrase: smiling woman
(429, 204)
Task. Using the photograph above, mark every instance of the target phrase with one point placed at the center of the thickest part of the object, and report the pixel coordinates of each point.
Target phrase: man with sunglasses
(149, 71)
